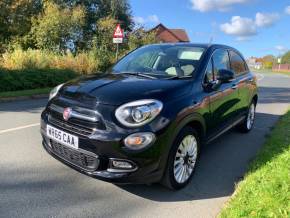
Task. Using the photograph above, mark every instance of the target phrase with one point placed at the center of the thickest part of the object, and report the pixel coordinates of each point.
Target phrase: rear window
(190, 54)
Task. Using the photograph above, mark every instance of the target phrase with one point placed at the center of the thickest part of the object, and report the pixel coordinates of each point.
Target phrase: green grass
(265, 71)
(29, 92)
(265, 191)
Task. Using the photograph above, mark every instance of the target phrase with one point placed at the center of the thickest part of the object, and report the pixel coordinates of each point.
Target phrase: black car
(146, 118)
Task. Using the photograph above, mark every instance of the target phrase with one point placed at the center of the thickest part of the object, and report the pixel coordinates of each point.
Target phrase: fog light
(140, 140)
(122, 164)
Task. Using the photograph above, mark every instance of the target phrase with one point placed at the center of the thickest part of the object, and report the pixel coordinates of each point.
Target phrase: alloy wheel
(251, 116)
(185, 159)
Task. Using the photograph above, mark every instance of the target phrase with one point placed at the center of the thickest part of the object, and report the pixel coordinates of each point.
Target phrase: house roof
(179, 34)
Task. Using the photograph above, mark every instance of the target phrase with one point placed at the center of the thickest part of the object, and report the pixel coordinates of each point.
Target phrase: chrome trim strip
(56, 108)
(226, 129)
(73, 128)
(114, 170)
(83, 117)
(74, 113)
(121, 171)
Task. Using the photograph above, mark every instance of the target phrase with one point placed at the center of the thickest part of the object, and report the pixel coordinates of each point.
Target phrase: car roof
(202, 45)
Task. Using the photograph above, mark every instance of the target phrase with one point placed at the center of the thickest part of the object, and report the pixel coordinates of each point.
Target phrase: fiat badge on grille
(67, 113)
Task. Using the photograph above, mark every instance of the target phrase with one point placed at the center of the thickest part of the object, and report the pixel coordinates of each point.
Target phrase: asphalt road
(33, 184)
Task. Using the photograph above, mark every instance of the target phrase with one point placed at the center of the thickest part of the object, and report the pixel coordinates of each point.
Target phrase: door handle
(234, 86)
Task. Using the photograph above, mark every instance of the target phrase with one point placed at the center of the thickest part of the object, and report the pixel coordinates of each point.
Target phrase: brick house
(163, 34)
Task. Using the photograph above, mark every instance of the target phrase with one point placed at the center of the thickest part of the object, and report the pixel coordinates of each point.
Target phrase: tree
(269, 58)
(286, 58)
(103, 46)
(15, 19)
(47, 23)
(140, 37)
(268, 61)
(98, 9)
(55, 28)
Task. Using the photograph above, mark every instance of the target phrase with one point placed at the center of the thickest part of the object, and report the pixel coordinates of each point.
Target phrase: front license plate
(62, 137)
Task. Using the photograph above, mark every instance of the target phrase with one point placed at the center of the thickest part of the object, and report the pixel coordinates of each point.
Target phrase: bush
(30, 59)
(13, 80)
(268, 65)
(82, 63)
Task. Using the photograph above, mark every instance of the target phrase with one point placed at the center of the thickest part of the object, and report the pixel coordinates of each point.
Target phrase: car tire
(182, 159)
(248, 123)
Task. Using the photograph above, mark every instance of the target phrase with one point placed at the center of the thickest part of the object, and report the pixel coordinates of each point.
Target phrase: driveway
(33, 184)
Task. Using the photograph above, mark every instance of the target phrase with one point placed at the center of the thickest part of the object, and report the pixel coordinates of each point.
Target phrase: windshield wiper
(179, 77)
(139, 74)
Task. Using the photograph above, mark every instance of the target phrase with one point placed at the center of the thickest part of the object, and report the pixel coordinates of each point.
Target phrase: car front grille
(78, 158)
(83, 121)
(71, 127)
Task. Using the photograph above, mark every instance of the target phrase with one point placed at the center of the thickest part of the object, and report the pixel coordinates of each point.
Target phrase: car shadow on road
(221, 166)
(274, 95)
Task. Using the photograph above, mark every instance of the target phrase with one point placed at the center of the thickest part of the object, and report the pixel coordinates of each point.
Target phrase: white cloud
(241, 27)
(287, 10)
(139, 20)
(266, 20)
(281, 48)
(153, 19)
(211, 5)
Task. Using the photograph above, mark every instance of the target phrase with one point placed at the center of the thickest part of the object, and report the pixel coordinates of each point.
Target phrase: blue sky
(255, 27)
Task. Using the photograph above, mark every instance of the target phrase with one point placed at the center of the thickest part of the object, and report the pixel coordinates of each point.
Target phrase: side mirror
(225, 76)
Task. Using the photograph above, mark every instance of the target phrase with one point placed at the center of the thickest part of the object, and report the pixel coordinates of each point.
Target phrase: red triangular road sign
(118, 33)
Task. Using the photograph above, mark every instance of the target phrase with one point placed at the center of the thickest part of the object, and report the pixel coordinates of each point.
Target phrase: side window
(209, 74)
(220, 60)
(237, 63)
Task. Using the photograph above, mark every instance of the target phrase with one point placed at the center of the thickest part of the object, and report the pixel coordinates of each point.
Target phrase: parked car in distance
(146, 118)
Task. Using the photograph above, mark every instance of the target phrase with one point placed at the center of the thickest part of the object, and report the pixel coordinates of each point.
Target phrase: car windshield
(161, 61)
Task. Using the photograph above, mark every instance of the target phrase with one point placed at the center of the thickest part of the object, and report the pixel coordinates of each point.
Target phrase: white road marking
(260, 76)
(18, 128)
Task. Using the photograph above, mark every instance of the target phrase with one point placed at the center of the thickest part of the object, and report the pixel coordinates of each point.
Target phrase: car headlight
(138, 113)
(54, 91)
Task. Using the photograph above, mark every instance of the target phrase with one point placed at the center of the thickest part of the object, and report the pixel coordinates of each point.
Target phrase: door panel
(223, 105)
(244, 80)
(224, 98)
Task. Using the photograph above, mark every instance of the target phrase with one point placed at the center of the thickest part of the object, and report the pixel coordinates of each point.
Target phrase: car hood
(116, 89)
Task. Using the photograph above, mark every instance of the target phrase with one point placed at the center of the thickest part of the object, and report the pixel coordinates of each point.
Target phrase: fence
(281, 67)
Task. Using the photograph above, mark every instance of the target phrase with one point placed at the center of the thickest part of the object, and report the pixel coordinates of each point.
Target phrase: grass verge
(30, 92)
(265, 191)
(265, 71)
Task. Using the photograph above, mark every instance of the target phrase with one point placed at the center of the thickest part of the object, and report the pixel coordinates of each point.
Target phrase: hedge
(13, 80)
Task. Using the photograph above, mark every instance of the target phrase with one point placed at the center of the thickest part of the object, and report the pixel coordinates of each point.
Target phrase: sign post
(118, 38)
(279, 62)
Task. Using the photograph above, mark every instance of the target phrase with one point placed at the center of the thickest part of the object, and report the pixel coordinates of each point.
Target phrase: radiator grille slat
(75, 157)
(71, 127)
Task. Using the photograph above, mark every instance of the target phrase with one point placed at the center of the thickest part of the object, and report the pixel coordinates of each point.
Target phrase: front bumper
(149, 164)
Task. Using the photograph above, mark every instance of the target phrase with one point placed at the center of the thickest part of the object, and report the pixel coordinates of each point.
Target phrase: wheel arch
(195, 120)
(255, 99)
